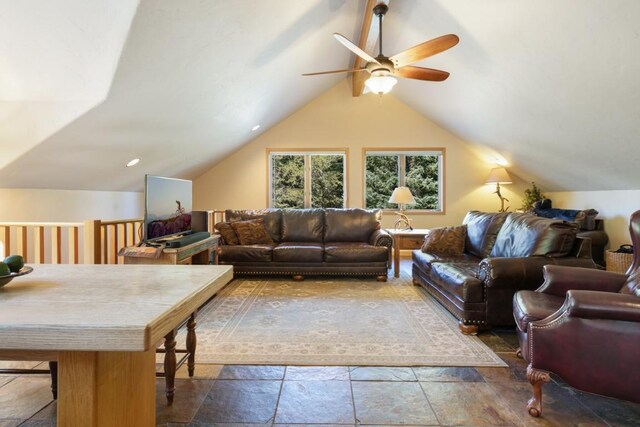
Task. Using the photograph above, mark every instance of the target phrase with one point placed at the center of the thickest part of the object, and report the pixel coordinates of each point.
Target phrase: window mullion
(307, 181)
(402, 160)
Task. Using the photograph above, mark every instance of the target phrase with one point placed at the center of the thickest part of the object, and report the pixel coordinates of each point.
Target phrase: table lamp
(402, 196)
(499, 176)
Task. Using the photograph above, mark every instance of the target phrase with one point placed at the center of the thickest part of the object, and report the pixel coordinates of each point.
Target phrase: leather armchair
(584, 326)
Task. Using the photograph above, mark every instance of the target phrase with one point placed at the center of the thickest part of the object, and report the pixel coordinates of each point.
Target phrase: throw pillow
(227, 233)
(251, 232)
(445, 240)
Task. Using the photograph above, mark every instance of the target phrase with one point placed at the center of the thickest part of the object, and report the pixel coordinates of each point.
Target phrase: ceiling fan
(383, 68)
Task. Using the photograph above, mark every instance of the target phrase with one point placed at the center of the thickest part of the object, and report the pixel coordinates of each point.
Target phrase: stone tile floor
(341, 395)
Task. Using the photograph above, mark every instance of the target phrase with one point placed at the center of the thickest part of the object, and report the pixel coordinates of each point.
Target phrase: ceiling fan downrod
(380, 10)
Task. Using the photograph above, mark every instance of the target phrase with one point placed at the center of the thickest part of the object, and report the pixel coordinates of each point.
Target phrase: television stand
(194, 253)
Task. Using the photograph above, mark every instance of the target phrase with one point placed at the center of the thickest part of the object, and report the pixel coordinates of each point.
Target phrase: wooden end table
(405, 239)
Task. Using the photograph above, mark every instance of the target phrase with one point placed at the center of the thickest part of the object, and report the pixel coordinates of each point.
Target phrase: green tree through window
(418, 171)
(307, 180)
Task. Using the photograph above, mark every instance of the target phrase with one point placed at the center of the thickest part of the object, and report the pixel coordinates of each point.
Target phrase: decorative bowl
(9, 277)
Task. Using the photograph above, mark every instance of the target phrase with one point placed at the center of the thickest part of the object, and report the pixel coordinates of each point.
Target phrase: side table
(405, 239)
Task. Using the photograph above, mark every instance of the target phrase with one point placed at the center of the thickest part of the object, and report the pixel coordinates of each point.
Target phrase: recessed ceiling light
(255, 128)
(133, 162)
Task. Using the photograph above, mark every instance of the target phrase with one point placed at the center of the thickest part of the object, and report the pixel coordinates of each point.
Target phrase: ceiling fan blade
(354, 48)
(424, 50)
(352, 70)
(420, 73)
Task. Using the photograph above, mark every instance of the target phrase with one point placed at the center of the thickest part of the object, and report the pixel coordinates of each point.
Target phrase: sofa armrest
(522, 272)
(559, 279)
(381, 238)
(602, 305)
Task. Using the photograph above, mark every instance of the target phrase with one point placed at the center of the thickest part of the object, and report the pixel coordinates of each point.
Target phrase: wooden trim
(398, 151)
(38, 244)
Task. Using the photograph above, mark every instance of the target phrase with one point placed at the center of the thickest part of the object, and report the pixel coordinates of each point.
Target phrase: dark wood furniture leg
(536, 377)
(170, 364)
(191, 343)
(53, 368)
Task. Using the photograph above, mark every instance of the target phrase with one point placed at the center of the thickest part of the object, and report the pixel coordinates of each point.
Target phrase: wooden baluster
(6, 240)
(113, 242)
(73, 245)
(125, 234)
(21, 242)
(56, 245)
(105, 244)
(38, 244)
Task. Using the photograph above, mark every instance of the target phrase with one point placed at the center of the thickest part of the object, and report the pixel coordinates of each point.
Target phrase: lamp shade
(499, 176)
(380, 84)
(402, 195)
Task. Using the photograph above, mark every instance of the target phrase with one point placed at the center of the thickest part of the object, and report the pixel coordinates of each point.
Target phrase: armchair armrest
(559, 279)
(381, 238)
(521, 272)
(602, 305)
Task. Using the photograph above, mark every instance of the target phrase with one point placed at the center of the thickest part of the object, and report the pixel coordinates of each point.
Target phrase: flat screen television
(167, 207)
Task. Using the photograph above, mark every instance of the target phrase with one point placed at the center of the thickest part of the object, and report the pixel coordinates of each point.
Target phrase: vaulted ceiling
(86, 85)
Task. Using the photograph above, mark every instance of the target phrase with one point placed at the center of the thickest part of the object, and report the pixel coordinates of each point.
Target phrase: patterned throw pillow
(227, 233)
(445, 240)
(251, 232)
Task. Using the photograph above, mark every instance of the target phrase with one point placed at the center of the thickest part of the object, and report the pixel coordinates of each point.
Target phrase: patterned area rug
(339, 321)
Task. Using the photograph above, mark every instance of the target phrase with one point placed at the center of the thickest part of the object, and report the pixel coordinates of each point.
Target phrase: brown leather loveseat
(503, 252)
(306, 242)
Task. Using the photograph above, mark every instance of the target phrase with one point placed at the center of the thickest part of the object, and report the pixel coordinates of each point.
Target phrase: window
(307, 179)
(420, 170)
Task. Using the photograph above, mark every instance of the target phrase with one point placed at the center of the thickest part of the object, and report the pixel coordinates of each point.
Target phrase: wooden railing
(98, 242)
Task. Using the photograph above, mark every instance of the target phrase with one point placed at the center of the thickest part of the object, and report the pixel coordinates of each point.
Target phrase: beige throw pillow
(251, 232)
(445, 240)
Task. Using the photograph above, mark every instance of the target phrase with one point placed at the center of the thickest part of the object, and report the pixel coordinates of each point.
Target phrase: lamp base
(403, 222)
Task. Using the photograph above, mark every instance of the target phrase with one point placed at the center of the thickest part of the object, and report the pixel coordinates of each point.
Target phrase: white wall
(336, 120)
(614, 207)
(40, 205)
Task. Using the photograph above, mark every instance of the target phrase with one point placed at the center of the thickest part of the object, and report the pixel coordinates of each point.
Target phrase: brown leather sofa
(504, 252)
(312, 242)
(583, 325)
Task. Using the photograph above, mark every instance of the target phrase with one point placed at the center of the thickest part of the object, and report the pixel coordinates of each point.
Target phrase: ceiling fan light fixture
(381, 84)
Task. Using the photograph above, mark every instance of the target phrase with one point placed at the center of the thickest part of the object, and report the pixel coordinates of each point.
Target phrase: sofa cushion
(586, 219)
(239, 253)
(350, 225)
(445, 240)
(302, 225)
(298, 252)
(251, 232)
(424, 260)
(458, 279)
(228, 234)
(354, 252)
(529, 306)
(482, 230)
(272, 219)
(525, 235)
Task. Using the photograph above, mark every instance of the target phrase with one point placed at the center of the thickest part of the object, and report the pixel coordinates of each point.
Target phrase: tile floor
(341, 395)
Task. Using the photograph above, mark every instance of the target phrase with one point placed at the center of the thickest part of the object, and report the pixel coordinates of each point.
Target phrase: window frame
(307, 153)
(405, 151)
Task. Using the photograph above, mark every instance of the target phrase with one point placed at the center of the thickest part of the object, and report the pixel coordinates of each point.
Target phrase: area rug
(337, 321)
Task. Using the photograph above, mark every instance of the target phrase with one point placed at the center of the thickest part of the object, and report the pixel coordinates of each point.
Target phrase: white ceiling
(85, 86)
